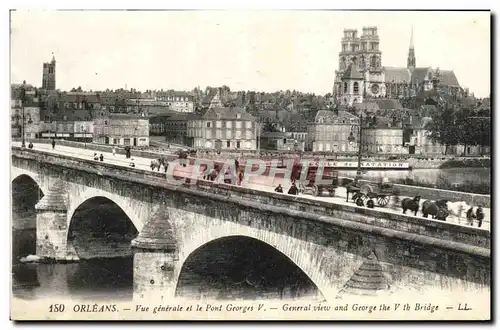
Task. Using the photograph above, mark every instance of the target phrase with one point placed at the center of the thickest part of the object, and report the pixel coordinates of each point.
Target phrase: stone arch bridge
(336, 246)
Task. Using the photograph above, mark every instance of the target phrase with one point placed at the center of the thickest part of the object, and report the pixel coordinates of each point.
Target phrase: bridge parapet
(448, 235)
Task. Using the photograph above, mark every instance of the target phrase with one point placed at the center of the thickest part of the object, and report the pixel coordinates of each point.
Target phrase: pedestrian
(114, 151)
(53, 143)
(279, 188)
(30, 145)
(479, 216)
(470, 216)
(101, 158)
(293, 190)
(95, 156)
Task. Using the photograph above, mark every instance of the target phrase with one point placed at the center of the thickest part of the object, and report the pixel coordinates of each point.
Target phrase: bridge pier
(51, 226)
(155, 257)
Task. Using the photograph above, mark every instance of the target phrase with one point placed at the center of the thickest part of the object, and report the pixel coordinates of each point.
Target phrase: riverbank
(468, 186)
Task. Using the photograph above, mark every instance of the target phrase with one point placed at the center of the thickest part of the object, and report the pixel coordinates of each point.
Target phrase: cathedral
(361, 74)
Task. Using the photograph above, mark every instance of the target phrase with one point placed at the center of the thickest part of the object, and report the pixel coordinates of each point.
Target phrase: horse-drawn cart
(310, 186)
(381, 192)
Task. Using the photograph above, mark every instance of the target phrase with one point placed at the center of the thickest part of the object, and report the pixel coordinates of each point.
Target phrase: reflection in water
(242, 268)
(86, 280)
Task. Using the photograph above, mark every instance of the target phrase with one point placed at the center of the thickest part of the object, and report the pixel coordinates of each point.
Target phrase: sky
(246, 50)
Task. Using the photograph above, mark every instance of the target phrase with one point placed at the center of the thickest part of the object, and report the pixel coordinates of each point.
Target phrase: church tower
(49, 75)
(411, 63)
(352, 86)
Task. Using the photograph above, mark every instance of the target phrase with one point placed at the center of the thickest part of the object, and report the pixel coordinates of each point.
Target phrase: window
(228, 144)
(238, 116)
(237, 144)
(209, 124)
(284, 141)
(238, 124)
(345, 87)
(248, 124)
(106, 122)
(356, 87)
(218, 123)
(229, 135)
(228, 124)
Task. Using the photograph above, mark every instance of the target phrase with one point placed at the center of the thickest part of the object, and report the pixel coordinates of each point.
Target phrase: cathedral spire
(411, 62)
(411, 38)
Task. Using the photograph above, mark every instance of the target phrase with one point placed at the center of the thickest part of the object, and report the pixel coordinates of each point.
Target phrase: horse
(437, 209)
(411, 204)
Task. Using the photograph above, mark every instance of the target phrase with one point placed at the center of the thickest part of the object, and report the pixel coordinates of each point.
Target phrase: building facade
(383, 138)
(121, 129)
(177, 101)
(334, 132)
(224, 129)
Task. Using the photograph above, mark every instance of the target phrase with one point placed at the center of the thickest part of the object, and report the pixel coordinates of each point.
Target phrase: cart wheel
(364, 197)
(315, 191)
(383, 200)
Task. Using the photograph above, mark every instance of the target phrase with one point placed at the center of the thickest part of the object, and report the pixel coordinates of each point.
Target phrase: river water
(453, 175)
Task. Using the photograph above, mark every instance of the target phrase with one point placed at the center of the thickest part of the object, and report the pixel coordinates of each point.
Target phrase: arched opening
(100, 229)
(356, 87)
(101, 233)
(240, 267)
(25, 195)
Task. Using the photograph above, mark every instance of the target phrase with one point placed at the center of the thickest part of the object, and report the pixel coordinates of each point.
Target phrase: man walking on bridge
(53, 143)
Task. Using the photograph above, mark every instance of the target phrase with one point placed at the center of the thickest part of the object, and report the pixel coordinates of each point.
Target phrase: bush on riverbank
(466, 162)
(468, 186)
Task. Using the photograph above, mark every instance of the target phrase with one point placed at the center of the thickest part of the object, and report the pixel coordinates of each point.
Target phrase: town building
(121, 129)
(176, 100)
(382, 135)
(49, 75)
(362, 54)
(334, 131)
(223, 129)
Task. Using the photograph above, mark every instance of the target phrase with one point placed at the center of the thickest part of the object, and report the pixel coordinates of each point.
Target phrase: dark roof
(448, 78)
(329, 114)
(73, 115)
(352, 72)
(388, 103)
(208, 98)
(277, 135)
(227, 113)
(418, 75)
(368, 106)
(397, 75)
(79, 97)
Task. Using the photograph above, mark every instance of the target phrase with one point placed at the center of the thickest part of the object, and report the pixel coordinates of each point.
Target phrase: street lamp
(23, 97)
(352, 139)
(84, 136)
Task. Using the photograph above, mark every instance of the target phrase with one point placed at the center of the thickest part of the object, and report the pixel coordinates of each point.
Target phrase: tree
(443, 127)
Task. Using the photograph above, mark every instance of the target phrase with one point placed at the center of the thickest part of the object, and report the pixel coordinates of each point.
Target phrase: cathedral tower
(411, 63)
(49, 75)
(370, 57)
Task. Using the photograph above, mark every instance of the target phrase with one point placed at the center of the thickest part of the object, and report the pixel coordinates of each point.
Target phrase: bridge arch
(82, 196)
(299, 265)
(100, 228)
(26, 193)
